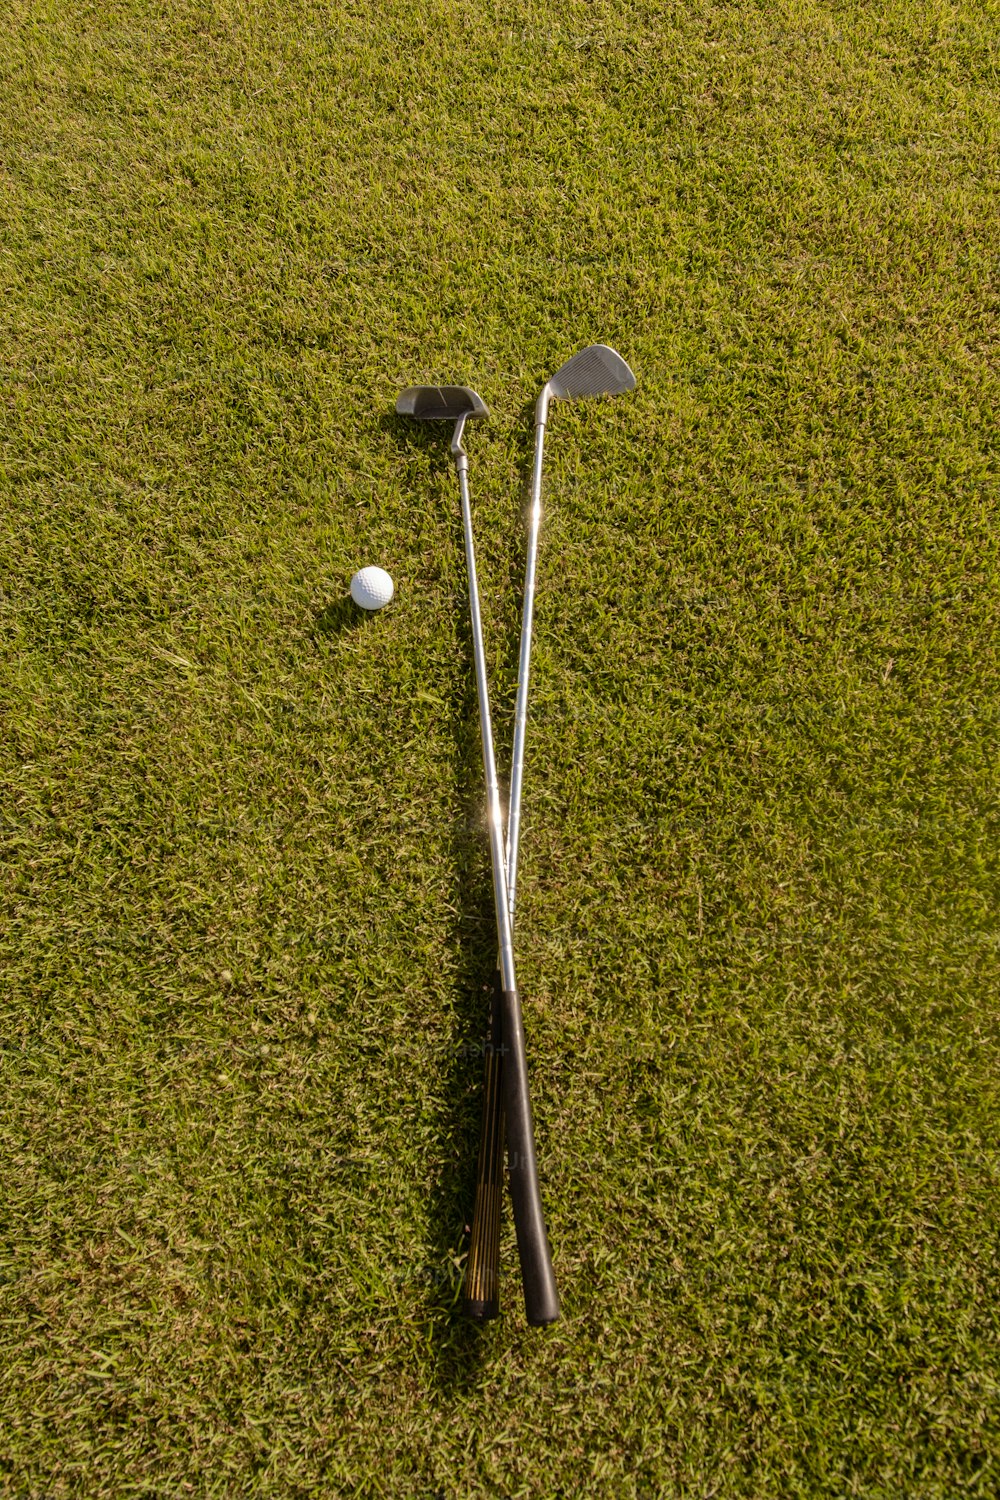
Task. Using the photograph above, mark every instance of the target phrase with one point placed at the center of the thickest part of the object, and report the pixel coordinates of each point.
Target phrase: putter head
(595, 371)
(440, 403)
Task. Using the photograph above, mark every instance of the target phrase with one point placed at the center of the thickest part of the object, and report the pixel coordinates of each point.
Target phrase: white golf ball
(372, 588)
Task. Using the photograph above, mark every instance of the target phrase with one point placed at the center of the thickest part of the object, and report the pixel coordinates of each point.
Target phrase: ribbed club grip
(481, 1288)
(541, 1300)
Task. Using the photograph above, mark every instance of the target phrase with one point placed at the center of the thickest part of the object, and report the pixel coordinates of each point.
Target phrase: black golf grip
(541, 1300)
(481, 1287)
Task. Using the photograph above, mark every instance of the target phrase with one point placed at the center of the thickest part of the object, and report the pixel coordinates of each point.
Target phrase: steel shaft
(494, 806)
(523, 670)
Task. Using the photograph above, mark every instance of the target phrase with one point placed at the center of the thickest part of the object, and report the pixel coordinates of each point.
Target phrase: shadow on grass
(462, 1347)
(340, 617)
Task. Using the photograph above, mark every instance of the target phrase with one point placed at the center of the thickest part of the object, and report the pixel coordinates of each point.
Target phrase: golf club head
(440, 403)
(595, 371)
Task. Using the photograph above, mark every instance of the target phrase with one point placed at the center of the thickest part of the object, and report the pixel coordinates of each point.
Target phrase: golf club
(594, 371)
(458, 404)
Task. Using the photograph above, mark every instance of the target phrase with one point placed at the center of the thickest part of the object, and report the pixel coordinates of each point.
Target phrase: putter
(458, 404)
(594, 371)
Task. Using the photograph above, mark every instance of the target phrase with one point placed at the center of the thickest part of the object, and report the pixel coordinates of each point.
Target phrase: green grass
(244, 899)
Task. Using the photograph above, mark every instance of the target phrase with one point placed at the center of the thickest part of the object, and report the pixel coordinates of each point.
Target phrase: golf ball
(372, 588)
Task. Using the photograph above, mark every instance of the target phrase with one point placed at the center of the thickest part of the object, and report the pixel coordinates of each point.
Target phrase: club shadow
(460, 1344)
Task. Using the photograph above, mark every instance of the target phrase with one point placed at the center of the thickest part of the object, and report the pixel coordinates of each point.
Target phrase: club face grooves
(595, 371)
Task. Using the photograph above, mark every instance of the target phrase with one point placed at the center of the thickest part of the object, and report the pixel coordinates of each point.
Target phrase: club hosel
(458, 453)
(542, 406)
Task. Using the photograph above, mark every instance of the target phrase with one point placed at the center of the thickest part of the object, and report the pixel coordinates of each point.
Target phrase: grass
(244, 906)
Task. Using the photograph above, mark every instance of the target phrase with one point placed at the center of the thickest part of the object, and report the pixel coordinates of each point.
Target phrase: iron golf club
(594, 371)
(458, 404)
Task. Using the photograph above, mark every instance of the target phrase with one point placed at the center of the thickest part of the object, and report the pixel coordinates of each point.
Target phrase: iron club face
(595, 371)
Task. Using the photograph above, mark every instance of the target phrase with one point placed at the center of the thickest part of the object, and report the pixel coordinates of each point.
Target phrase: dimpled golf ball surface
(372, 588)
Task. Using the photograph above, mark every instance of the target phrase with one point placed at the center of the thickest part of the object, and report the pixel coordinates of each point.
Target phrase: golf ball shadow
(339, 618)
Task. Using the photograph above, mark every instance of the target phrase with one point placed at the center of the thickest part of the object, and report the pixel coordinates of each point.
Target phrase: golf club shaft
(493, 805)
(482, 1272)
(523, 668)
(594, 371)
(540, 1298)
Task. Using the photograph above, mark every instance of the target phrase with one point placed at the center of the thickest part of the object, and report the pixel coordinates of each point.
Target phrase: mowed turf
(245, 913)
